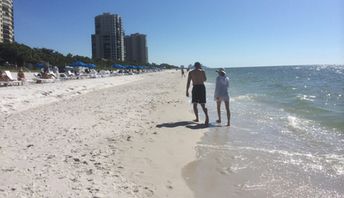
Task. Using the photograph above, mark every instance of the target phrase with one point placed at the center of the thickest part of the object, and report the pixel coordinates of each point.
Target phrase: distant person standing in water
(182, 70)
(221, 94)
(198, 77)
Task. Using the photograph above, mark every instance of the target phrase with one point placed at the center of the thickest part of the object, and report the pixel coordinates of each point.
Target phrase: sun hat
(221, 70)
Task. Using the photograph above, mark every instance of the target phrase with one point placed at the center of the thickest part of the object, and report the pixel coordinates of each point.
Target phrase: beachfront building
(136, 50)
(6, 21)
(108, 40)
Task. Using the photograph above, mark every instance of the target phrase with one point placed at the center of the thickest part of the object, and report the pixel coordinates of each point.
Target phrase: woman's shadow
(187, 124)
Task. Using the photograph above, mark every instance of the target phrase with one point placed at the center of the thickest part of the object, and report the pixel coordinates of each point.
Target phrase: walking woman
(221, 94)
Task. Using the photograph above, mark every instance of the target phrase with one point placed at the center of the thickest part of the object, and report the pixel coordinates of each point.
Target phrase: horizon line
(277, 65)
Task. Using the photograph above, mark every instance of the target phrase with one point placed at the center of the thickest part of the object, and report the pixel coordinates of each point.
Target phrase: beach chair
(11, 81)
(39, 78)
(63, 76)
(104, 73)
(94, 74)
(83, 75)
(71, 75)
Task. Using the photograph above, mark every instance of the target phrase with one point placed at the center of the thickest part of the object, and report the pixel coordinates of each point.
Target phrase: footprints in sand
(46, 93)
(174, 102)
(77, 147)
(137, 189)
(169, 185)
(7, 108)
(75, 90)
(97, 175)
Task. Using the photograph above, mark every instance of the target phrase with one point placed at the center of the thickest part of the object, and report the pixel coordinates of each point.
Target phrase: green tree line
(15, 54)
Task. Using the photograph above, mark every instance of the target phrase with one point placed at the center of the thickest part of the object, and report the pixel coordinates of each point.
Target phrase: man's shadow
(187, 124)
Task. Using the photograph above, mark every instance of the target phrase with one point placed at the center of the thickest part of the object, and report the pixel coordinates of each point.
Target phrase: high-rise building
(6, 21)
(108, 40)
(136, 50)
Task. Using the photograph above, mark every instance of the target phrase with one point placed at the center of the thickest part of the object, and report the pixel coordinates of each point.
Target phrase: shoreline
(110, 141)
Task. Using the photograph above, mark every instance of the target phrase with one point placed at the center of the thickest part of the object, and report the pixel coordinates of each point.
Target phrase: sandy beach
(111, 137)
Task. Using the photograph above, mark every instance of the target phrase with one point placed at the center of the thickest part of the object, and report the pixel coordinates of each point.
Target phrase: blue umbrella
(78, 64)
(117, 66)
(91, 65)
(39, 65)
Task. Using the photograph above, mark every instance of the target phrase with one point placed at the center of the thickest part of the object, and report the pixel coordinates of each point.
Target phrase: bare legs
(228, 113)
(205, 112)
(195, 111)
(218, 105)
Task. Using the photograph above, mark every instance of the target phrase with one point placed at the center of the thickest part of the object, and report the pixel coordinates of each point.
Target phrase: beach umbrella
(39, 65)
(117, 66)
(91, 66)
(78, 64)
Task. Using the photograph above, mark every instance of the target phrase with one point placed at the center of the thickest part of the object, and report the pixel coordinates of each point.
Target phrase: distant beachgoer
(46, 74)
(46, 69)
(221, 94)
(183, 73)
(21, 75)
(56, 71)
(1, 78)
(4, 77)
(198, 77)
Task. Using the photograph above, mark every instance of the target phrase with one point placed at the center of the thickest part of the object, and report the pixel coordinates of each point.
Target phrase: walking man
(198, 77)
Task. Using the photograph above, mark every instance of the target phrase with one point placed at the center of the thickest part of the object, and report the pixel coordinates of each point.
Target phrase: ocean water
(286, 138)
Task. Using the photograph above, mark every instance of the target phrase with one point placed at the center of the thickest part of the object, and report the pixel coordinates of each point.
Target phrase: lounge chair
(71, 75)
(11, 81)
(49, 78)
(104, 73)
(83, 75)
(94, 74)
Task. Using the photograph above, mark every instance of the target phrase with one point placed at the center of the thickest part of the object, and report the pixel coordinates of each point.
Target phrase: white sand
(19, 98)
(96, 138)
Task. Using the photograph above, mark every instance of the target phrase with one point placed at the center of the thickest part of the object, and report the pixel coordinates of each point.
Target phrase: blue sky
(218, 33)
